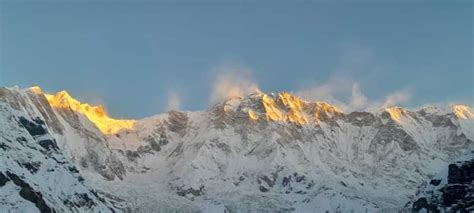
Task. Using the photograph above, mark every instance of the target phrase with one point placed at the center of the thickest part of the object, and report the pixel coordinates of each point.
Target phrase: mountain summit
(263, 152)
(96, 114)
(281, 107)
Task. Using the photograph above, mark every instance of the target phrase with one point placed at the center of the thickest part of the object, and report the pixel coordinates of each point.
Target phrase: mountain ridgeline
(260, 153)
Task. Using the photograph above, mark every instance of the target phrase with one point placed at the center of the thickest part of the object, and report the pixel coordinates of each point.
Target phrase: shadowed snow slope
(263, 152)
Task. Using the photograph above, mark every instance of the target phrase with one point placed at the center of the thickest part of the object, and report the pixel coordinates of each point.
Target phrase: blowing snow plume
(358, 99)
(233, 83)
(348, 95)
(173, 102)
(344, 87)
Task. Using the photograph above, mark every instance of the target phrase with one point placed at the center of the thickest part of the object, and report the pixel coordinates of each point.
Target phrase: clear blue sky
(131, 55)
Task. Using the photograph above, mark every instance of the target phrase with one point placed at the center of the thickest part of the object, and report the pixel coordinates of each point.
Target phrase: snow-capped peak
(463, 111)
(396, 113)
(96, 114)
(281, 107)
(36, 89)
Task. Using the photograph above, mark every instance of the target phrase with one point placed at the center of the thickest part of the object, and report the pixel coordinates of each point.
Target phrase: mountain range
(258, 153)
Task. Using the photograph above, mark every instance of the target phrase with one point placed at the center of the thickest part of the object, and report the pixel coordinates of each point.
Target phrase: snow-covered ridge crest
(96, 114)
(288, 108)
(280, 107)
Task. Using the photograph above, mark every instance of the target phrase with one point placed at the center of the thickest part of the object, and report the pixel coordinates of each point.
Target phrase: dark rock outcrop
(49, 144)
(177, 122)
(456, 195)
(181, 191)
(4, 147)
(33, 167)
(30, 194)
(83, 200)
(422, 203)
(463, 174)
(3, 179)
(435, 182)
(34, 127)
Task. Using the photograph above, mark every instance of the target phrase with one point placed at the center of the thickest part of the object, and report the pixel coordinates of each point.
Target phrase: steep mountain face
(35, 174)
(264, 152)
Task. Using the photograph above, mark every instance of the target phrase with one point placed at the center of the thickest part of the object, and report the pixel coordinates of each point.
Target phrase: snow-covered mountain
(263, 153)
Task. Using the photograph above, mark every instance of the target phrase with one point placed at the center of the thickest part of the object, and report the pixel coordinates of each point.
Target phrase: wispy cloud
(398, 97)
(345, 86)
(231, 82)
(349, 96)
(330, 91)
(358, 67)
(358, 99)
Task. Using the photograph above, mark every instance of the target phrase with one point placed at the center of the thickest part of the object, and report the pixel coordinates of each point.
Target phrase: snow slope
(35, 175)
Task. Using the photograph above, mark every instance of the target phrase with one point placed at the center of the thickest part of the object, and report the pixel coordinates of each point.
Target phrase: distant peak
(396, 113)
(36, 89)
(462, 111)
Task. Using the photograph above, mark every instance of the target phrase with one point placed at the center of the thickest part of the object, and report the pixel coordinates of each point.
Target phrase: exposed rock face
(29, 194)
(49, 144)
(3, 179)
(34, 127)
(452, 193)
(463, 174)
(177, 122)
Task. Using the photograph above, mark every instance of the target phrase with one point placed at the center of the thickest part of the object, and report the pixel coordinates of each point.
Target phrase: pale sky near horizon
(143, 57)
